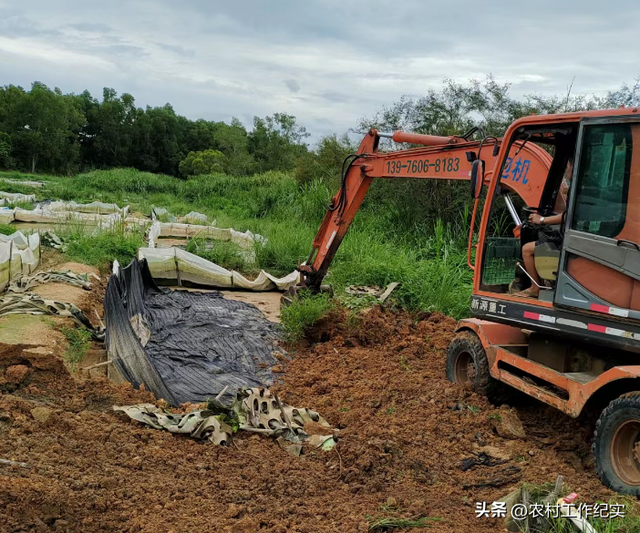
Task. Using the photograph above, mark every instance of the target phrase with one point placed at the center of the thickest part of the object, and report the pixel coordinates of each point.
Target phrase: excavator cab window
(509, 228)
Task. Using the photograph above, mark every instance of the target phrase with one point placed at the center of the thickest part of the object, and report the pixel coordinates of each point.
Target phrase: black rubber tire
(624, 411)
(467, 345)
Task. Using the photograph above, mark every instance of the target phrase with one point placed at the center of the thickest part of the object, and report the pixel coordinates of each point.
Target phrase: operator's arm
(553, 219)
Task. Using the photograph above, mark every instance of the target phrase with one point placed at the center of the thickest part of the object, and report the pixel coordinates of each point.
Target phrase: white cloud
(329, 62)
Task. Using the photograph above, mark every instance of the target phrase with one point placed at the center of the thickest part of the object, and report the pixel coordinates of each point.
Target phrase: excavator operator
(546, 234)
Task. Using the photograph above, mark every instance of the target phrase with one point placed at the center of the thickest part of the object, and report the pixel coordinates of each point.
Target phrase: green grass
(101, 249)
(385, 524)
(223, 253)
(384, 244)
(79, 340)
(303, 313)
(7, 229)
(23, 205)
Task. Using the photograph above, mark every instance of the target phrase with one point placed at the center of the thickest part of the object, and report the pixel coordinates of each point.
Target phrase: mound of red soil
(404, 434)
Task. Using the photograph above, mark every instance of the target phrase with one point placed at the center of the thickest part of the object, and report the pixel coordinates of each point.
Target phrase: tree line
(44, 130)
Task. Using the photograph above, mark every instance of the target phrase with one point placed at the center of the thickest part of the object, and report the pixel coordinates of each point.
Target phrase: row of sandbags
(7, 216)
(10, 198)
(24, 183)
(193, 217)
(19, 255)
(96, 208)
(178, 266)
(246, 240)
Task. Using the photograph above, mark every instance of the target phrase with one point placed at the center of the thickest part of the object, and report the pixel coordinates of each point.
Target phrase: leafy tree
(50, 131)
(44, 129)
(112, 123)
(277, 142)
(325, 163)
(6, 161)
(204, 162)
(200, 134)
(233, 141)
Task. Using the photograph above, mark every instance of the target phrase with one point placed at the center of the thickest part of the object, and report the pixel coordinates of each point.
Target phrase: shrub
(199, 163)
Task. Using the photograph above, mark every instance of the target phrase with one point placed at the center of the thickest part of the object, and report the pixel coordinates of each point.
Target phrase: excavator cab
(576, 346)
(509, 228)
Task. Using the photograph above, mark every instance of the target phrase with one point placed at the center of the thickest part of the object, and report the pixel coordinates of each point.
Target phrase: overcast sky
(329, 62)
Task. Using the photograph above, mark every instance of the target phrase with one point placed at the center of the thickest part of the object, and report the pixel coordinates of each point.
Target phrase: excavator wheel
(467, 363)
(616, 447)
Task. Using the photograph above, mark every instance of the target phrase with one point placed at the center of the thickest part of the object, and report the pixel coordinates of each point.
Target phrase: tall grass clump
(102, 248)
(7, 229)
(223, 253)
(288, 244)
(303, 313)
(79, 342)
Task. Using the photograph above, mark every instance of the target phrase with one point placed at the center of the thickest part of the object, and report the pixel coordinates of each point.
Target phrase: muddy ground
(404, 433)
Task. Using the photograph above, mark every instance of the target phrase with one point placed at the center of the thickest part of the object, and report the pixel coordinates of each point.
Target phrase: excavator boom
(440, 158)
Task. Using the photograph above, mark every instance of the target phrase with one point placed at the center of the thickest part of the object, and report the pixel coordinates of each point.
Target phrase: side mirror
(477, 178)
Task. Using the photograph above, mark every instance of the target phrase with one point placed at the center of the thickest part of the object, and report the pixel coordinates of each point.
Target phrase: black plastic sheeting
(198, 343)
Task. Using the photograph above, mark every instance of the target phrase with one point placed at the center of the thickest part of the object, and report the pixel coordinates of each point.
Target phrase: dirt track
(405, 431)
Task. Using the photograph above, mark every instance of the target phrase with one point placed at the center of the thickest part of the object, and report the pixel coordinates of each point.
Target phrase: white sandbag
(31, 260)
(98, 208)
(176, 264)
(261, 283)
(243, 240)
(25, 183)
(194, 218)
(18, 238)
(65, 217)
(6, 215)
(19, 256)
(176, 229)
(158, 212)
(5, 278)
(28, 262)
(284, 283)
(154, 234)
(13, 197)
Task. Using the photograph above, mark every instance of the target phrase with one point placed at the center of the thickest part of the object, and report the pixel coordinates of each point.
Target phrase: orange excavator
(573, 342)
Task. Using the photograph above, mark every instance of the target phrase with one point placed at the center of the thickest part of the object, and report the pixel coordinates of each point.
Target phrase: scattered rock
(277, 369)
(41, 414)
(496, 452)
(508, 425)
(16, 374)
(233, 511)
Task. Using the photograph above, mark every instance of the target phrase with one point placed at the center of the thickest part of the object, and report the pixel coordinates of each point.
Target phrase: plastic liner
(19, 255)
(179, 267)
(195, 344)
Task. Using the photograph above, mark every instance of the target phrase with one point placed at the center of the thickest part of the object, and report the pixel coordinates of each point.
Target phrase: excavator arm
(441, 158)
